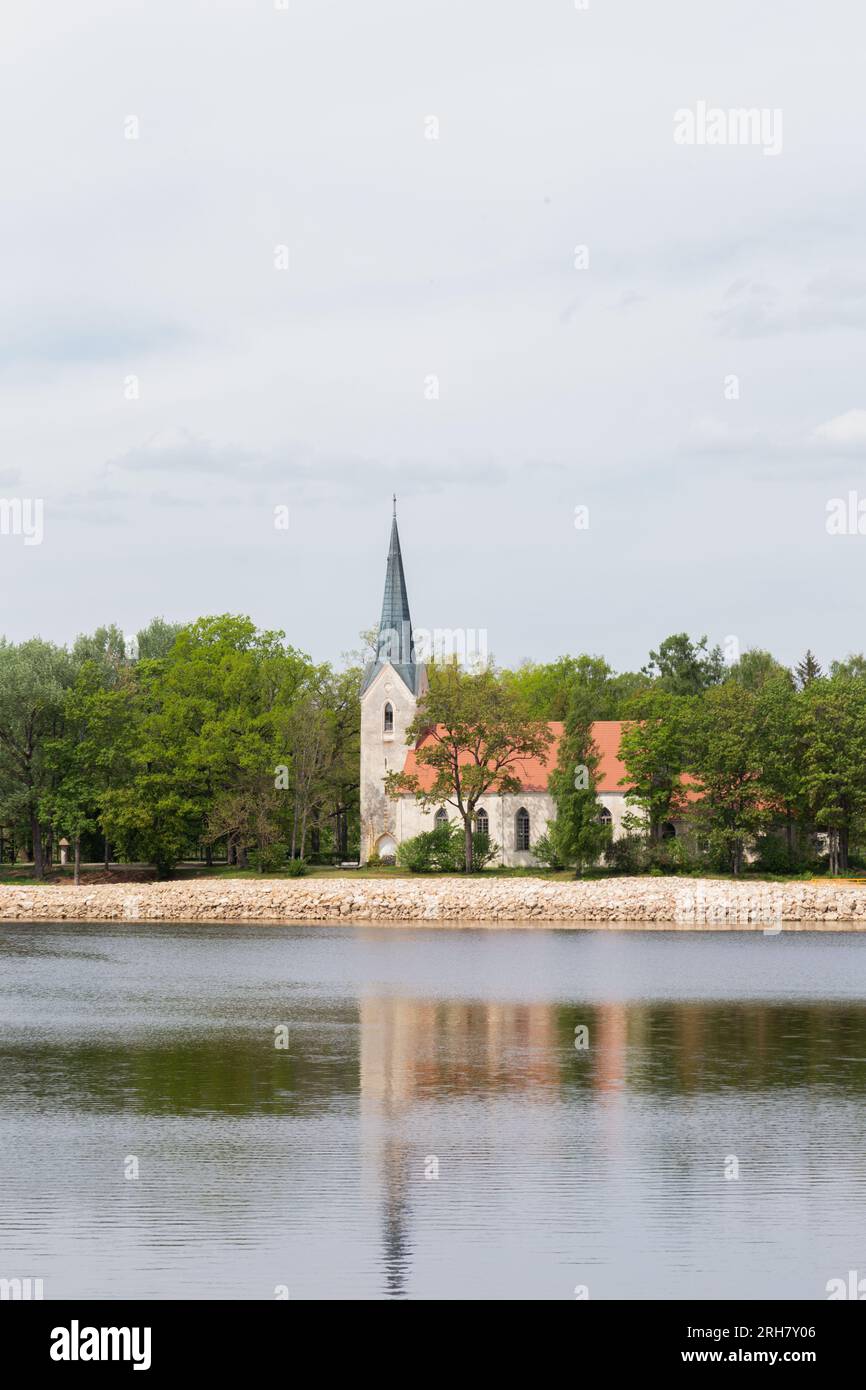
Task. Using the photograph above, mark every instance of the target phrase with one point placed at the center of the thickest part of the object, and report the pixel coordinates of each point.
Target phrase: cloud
(184, 455)
(97, 506)
(846, 432)
(757, 310)
(177, 450)
(710, 435)
(79, 340)
(835, 285)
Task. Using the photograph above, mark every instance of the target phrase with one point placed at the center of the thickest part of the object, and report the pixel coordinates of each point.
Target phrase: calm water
(306, 1167)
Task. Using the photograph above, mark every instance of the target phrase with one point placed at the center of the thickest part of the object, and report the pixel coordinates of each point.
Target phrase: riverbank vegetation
(219, 742)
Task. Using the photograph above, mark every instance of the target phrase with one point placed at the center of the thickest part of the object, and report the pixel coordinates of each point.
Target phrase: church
(393, 687)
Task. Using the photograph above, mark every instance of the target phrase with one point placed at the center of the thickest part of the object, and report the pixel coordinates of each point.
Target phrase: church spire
(395, 643)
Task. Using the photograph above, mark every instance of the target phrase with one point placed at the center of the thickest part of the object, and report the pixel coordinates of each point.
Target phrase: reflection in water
(557, 1165)
(417, 1051)
(412, 1050)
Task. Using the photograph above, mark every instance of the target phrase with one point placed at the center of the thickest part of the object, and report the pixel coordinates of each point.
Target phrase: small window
(605, 818)
(521, 829)
(482, 822)
(389, 718)
(440, 818)
(669, 830)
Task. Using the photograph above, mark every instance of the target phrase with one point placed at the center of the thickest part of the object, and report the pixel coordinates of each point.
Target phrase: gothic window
(440, 818)
(605, 818)
(521, 829)
(482, 822)
(669, 830)
(389, 718)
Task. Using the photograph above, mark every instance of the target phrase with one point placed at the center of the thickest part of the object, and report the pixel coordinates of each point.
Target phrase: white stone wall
(382, 753)
(660, 903)
(412, 819)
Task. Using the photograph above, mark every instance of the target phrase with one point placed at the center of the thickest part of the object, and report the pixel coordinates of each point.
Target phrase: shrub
(625, 855)
(442, 851)
(296, 868)
(414, 854)
(773, 855)
(484, 852)
(547, 853)
(270, 859)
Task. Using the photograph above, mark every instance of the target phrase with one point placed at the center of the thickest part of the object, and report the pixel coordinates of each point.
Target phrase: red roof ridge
(534, 773)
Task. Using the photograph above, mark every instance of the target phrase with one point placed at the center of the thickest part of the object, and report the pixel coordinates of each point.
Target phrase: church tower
(392, 686)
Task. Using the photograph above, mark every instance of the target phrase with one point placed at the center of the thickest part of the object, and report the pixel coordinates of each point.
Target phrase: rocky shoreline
(643, 903)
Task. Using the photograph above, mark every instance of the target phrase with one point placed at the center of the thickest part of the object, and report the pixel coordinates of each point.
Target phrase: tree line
(209, 735)
(725, 761)
(217, 739)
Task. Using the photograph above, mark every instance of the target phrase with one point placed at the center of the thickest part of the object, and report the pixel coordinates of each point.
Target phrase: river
(249, 1112)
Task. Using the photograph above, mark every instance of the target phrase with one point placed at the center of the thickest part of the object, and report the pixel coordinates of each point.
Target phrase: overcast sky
(411, 257)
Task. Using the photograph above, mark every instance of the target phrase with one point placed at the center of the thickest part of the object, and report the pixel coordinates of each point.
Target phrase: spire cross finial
(395, 504)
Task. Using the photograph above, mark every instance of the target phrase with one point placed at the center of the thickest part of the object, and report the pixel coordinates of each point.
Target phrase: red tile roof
(534, 772)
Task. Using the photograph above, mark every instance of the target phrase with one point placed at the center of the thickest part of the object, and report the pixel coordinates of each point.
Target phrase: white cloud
(846, 431)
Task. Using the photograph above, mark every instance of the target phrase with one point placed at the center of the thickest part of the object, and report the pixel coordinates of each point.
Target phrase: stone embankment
(640, 902)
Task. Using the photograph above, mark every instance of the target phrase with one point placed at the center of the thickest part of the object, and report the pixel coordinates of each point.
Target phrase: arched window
(389, 718)
(440, 818)
(605, 818)
(521, 829)
(669, 830)
(482, 821)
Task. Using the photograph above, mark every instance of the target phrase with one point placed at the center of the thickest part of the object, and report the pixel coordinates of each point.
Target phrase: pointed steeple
(395, 643)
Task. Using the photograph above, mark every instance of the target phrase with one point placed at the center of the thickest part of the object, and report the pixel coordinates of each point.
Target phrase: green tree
(853, 666)
(652, 747)
(683, 667)
(209, 723)
(808, 670)
(34, 679)
(833, 740)
(755, 668)
(779, 755)
(551, 689)
(157, 639)
(476, 731)
(724, 756)
(577, 834)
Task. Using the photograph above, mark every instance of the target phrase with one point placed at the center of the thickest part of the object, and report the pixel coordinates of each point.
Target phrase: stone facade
(383, 752)
(648, 903)
(410, 819)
